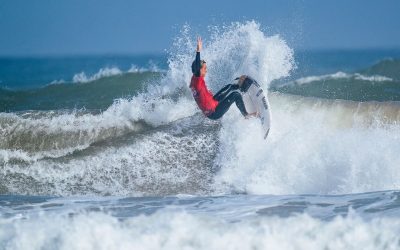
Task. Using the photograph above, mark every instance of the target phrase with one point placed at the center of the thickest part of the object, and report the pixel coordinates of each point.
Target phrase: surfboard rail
(255, 100)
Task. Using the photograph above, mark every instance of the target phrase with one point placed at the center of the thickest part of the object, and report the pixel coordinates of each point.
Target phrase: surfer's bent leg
(224, 105)
(225, 91)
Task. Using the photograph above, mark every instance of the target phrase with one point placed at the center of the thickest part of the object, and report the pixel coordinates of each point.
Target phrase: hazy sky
(120, 26)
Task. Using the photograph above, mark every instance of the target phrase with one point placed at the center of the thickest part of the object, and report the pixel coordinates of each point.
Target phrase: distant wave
(93, 94)
(387, 67)
(380, 82)
(152, 68)
(373, 78)
(341, 75)
(82, 77)
(104, 72)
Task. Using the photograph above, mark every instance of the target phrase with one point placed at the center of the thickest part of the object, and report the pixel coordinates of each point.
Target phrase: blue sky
(48, 27)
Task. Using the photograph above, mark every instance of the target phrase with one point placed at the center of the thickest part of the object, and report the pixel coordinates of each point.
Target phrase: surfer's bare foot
(255, 114)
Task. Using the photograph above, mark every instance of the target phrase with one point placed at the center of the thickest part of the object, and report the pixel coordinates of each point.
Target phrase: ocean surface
(111, 152)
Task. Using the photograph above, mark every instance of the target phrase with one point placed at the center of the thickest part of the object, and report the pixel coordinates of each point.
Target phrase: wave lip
(373, 78)
(103, 72)
(111, 71)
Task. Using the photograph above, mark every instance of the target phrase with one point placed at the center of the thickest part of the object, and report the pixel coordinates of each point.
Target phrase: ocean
(111, 152)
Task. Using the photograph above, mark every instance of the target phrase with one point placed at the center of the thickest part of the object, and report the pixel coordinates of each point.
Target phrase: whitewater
(148, 170)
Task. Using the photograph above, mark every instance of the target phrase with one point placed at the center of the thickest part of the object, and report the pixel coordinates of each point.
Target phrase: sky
(75, 27)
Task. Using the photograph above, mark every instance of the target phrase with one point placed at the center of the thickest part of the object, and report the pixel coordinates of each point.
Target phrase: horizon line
(165, 53)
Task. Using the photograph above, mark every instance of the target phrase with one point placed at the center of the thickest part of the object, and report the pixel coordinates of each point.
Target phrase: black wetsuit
(226, 96)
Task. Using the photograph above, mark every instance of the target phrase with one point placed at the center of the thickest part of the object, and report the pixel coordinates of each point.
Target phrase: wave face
(155, 142)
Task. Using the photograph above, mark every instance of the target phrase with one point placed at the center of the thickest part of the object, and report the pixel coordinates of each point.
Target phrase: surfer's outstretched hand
(199, 44)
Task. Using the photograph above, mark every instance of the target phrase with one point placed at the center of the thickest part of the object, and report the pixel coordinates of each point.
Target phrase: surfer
(214, 107)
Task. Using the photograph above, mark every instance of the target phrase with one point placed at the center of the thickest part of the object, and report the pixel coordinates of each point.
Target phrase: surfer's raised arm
(197, 62)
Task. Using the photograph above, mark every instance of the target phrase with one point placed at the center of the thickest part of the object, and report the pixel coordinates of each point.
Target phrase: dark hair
(194, 68)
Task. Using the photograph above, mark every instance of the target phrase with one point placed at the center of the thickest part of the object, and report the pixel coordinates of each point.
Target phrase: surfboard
(255, 100)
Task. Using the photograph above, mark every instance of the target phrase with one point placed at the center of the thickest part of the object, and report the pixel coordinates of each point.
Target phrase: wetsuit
(214, 107)
(201, 94)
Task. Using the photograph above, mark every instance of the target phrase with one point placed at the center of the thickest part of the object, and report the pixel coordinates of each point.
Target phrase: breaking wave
(153, 141)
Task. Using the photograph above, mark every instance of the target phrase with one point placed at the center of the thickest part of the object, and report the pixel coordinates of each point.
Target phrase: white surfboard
(256, 100)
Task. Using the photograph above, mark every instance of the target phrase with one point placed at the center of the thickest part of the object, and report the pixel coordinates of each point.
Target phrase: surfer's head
(203, 68)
